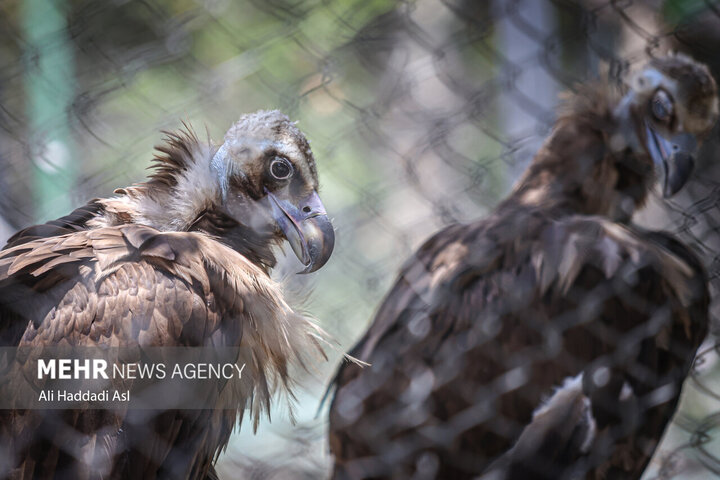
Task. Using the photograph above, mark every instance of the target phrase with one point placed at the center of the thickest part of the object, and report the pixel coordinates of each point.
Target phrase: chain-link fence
(420, 114)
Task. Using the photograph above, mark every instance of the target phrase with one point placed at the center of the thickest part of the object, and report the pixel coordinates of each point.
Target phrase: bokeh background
(420, 114)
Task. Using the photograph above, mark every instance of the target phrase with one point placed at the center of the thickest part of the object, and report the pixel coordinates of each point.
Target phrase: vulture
(555, 286)
(181, 260)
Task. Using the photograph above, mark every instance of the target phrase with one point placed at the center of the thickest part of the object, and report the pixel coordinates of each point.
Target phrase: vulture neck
(256, 247)
(184, 195)
(589, 165)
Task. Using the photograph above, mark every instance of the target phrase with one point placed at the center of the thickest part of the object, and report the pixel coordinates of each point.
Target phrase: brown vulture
(487, 319)
(180, 260)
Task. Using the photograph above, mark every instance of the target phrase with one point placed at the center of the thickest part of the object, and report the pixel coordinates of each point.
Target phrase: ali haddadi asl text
(83, 396)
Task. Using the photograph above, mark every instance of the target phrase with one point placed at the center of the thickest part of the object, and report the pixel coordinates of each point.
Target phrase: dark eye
(662, 107)
(280, 168)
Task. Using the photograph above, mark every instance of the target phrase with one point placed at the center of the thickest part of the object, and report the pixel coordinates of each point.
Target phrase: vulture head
(256, 190)
(268, 181)
(670, 107)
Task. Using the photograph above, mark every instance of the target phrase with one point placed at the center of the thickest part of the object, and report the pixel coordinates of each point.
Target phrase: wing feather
(132, 284)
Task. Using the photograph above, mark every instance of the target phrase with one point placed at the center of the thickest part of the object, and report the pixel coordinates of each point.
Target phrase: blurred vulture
(487, 319)
(181, 260)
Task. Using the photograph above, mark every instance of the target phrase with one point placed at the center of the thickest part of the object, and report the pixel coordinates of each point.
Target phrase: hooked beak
(306, 227)
(674, 156)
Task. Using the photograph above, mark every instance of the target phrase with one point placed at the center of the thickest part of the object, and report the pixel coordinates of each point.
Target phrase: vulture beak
(675, 156)
(306, 227)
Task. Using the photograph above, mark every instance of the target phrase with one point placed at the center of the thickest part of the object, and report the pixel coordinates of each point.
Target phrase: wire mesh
(420, 114)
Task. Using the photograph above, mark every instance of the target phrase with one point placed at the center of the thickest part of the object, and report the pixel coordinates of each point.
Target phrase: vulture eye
(662, 107)
(280, 168)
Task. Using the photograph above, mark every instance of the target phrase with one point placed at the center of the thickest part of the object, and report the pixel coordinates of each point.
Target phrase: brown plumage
(486, 319)
(181, 260)
(552, 445)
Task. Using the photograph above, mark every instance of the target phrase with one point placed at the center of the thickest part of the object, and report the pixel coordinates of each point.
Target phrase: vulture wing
(487, 319)
(75, 221)
(552, 445)
(133, 285)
